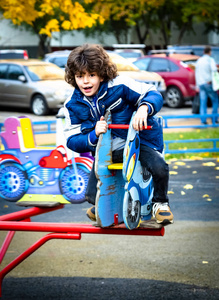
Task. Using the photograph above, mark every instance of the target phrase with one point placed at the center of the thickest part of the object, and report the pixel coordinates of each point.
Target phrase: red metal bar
(77, 227)
(33, 248)
(125, 126)
(29, 212)
(6, 244)
(18, 222)
(8, 240)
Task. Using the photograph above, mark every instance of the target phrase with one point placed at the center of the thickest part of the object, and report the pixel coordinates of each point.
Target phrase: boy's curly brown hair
(90, 58)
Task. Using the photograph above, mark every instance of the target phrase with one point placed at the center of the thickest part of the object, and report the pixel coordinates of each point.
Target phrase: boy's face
(88, 83)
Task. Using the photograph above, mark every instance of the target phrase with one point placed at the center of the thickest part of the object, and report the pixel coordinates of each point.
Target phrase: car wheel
(174, 97)
(39, 106)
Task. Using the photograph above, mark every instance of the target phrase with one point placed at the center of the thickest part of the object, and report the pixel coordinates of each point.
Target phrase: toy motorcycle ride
(39, 176)
(124, 190)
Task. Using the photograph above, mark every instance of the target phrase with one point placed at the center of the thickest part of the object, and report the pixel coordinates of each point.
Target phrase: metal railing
(49, 127)
(213, 141)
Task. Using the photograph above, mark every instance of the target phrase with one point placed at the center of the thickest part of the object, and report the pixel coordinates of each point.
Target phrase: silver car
(33, 83)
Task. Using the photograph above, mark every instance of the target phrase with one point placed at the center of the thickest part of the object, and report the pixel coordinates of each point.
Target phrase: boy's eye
(92, 75)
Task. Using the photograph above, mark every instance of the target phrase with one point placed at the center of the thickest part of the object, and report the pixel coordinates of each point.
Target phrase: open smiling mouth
(88, 88)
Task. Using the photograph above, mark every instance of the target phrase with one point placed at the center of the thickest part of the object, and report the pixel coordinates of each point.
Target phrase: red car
(178, 72)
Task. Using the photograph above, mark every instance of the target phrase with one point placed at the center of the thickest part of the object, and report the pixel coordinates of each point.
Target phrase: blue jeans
(150, 159)
(205, 91)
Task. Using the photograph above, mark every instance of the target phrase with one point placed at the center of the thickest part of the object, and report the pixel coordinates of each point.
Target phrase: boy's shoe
(162, 213)
(91, 213)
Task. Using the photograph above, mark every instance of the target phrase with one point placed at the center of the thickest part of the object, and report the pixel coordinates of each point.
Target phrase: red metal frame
(20, 221)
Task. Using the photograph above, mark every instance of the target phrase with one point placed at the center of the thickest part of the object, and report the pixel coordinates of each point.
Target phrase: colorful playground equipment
(42, 176)
(49, 177)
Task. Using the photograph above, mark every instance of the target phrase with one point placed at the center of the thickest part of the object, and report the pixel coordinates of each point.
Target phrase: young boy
(98, 89)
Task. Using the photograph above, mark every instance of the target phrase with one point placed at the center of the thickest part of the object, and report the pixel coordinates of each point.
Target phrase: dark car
(58, 58)
(178, 72)
(13, 54)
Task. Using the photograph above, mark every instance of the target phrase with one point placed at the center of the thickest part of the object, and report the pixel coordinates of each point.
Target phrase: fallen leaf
(5, 206)
(180, 163)
(170, 192)
(173, 159)
(205, 262)
(206, 154)
(183, 193)
(217, 168)
(196, 158)
(209, 164)
(209, 200)
(188, 187)
(205, 196)
(217, 177)
(194, 172)
(188, 167)
(181, 136)
(175, 167)
(173, 173)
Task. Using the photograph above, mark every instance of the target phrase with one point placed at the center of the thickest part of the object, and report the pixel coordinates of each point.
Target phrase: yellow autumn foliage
(58, 14)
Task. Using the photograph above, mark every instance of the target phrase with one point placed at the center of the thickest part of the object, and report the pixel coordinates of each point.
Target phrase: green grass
(194, 134)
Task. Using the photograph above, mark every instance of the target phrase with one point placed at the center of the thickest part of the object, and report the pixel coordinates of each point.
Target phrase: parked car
(129, 69)
(196, 50)
(124, 67)
(130, 54)
(178, 72)
(130, 51)
(32, 83)
(13, 54)
(58, 58)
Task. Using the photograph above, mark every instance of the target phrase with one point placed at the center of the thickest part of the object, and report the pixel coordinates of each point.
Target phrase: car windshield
(130, 54)
(44, 72)
(122, 63)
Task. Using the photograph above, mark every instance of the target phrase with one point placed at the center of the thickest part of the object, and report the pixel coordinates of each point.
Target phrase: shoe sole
(165, 222)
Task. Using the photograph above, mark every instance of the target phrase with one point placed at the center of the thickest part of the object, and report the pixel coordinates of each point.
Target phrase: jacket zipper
(97, 105)
(114, 104)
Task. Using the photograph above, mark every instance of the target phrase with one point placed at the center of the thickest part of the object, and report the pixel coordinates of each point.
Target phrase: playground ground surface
(183, 264)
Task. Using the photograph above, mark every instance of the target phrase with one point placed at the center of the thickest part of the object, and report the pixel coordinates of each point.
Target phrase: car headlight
(162, 86)
(62, 94)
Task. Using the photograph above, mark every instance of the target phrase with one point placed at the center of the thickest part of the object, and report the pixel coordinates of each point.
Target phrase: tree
(43, 17)
(122, 15)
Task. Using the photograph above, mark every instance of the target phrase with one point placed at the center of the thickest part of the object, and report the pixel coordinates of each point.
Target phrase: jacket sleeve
(78, 133)
(142, 93)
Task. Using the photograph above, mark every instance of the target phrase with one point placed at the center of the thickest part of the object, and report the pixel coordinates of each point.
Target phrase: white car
(34, 84)
(129, 69)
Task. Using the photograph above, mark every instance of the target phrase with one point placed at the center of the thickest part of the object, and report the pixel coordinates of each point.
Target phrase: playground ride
(124, 190)
(42, 176)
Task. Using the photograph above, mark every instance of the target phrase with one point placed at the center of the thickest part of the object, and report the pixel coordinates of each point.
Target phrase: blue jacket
(122, 96)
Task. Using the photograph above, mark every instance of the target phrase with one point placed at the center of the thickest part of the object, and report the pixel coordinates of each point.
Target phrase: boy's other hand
(140, 118)
(101, 126)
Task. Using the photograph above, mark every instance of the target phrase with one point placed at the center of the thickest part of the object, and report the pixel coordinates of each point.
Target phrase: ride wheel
(13, 181)
(72, 186)
(131, 212)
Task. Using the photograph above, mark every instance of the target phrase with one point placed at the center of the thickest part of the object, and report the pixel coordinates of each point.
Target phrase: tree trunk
(141, 37)
(44, 45)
